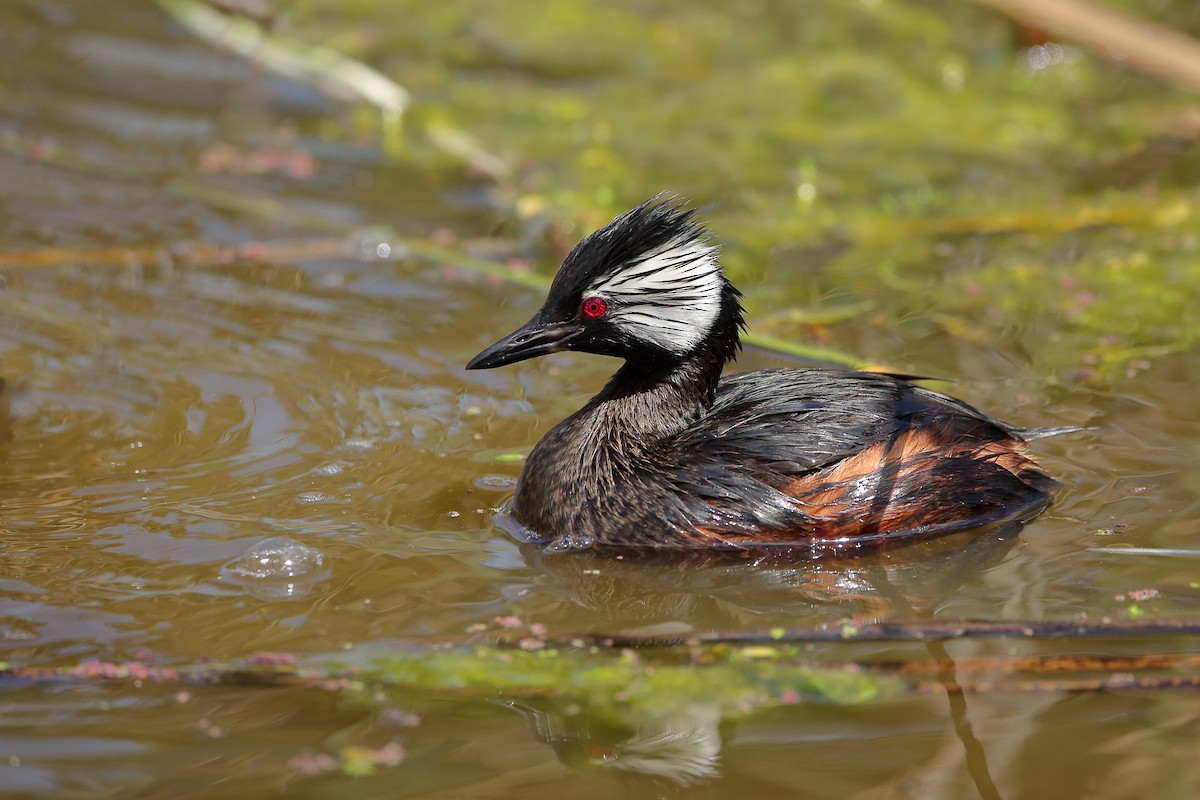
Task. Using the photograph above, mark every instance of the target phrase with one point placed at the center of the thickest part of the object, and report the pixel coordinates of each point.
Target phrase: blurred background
(247, 246)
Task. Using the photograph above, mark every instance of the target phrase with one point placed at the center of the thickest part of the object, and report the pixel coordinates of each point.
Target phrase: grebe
(669, 455)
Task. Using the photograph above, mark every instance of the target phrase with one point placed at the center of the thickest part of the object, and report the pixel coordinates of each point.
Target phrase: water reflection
(169, 412)
(732, 589)
(680, 749)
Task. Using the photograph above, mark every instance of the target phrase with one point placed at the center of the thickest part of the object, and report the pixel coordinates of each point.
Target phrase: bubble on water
(568, 543)
(277, 568)
(496, 483)
(276, 558)
(316, 498)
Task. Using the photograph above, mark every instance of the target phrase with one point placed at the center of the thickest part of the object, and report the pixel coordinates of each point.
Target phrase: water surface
(208, 457)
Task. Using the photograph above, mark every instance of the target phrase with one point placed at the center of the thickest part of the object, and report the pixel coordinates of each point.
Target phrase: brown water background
(211, 453)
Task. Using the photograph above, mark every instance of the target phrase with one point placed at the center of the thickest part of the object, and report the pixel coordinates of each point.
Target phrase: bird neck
(574, 468)
(650, 399)
(641, 404)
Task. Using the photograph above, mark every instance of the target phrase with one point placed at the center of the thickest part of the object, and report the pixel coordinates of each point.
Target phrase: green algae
(735, 680)
(840, 151)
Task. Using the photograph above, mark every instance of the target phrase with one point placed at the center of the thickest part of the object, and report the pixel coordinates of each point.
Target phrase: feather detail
(670, 296)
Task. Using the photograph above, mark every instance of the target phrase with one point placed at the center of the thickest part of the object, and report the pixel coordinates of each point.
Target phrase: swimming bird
(671, 455)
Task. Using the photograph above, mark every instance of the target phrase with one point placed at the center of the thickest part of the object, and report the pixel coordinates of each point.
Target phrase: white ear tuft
(670, 296)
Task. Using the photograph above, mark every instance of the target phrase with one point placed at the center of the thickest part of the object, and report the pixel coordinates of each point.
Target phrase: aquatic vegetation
(913, 149)
(239, 291)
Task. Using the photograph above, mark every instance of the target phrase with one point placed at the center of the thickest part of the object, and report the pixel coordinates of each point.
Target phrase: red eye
(594, 307)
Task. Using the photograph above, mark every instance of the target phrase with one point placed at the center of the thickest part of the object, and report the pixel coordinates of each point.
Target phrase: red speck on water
(268, 659)
(399, 718)
(390, 754)
(443, 236)
(310, 764)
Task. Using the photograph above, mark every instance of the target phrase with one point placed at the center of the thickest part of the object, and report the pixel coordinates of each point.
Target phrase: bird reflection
(646, 592)
(679, 750)
(713, 589)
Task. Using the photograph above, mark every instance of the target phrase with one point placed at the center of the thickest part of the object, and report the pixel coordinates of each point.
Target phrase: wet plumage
(670, 455)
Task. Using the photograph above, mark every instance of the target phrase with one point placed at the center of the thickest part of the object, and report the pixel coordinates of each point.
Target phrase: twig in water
(912, 632)
(1114, 35)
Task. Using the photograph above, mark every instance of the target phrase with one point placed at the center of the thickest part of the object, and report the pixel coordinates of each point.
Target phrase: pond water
(230, 432)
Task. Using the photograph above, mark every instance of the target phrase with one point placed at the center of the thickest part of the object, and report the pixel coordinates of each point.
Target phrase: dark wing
(794, 421)
(780, 449)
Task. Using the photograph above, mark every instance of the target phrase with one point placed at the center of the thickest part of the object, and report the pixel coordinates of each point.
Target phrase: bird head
(645, 287)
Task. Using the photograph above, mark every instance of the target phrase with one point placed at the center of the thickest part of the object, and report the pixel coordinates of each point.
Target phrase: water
(210, 457)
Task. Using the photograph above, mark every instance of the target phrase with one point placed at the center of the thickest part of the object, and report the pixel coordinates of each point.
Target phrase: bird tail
(1029, 434)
